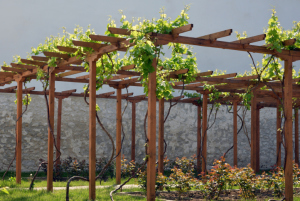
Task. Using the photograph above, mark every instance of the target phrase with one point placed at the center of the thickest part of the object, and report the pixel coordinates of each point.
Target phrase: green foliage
(4, 190)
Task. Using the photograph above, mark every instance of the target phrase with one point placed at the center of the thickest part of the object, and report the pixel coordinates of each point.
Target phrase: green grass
(25, 183)
(78, 195)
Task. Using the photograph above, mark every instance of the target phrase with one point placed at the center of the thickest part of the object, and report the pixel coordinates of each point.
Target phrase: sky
(25, 24)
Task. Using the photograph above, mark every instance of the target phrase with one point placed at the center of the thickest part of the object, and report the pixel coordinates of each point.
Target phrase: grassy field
(78, 195)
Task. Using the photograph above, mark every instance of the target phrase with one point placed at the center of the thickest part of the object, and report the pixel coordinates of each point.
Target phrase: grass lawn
(78, 195)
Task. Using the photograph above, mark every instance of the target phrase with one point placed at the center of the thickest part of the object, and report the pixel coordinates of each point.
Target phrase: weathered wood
(204, 73)
(289, 42)
(151, 134)
(178, 72)
(204, 132)
(6, 74)
(120, 31)
(72, 68)
(110, 39)
(28, 67)
(58, 131)
(40, 58)
(250, 77)
(296, 136)
(33, 62)
(235, 158)
(215, 36)
(257, 144)
(19, 133)
(252, 39)
(50, 134)
(133, 117)
(94, 46)
(278, 132)
(56, 54)
(253, 130)
(125, 72)
(182, 29)
(161, 126)
(198, 139)
(92, 130)
(288, 128)
(17, 70)
(118, 136)
(72, 72)
(128, 67)
(67, 49)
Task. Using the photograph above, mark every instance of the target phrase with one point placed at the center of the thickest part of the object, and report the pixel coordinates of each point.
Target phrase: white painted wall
(25, 24)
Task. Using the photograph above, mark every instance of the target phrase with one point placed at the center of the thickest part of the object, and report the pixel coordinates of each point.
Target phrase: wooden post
(19, 133)
(151, 134)
(257, 140)
(204, 132)
(92, 130)
(58, 132)
(235, 133)
(198, 139)
(288, 128)
(161, 119)
(50, 133)
(278, 141)
(118, 136)
(253, 131)
(296, 137)
(133, 131)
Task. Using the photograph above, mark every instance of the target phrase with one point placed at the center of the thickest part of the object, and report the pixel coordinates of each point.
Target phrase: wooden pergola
(67, 66)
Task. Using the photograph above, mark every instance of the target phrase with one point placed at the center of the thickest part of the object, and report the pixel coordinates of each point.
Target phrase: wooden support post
(204, 132)
(161, 119)
(133, 131)
(118, 136)
(253, 131)
(296, 137)
(92, 130)
(50, 133)
(235, 133)
(278, 141)
(257, 140)
(288, 128)
(151, 134)
(19, 133)
(198, 139)
(58, 132)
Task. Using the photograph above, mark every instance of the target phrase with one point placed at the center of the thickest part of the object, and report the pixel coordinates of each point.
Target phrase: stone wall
(180, 132)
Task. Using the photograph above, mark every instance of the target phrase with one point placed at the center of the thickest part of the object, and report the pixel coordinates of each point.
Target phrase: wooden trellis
(125, 78)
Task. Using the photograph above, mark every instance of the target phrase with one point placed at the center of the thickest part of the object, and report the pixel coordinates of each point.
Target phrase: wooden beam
(92, 130)
(33, 62)
(128, 67)
(278, 132)
(56, 54)
(119, 31)
(289, 42)
(94, 46)
(257, 139)
(72, 72)
(252, 39)
(215, 36)
(182, 29)
(63, 79)
(19, 133)
(17, 70)
(28, 67)
(235, 156)
(76, 68)
(151, 134)
(118, 135)
(40, 58)
(58, 131)
(204, 73)
(223, 45)
(6, 74)
(199, 138)
(161, 119)
(288, 128)
(253, 130)
(110, 39)
(133, 125)
(67, 49)
(296, 136)
(125, 72)
(250, 77)
(204, 132)
(178, 72)
(50, 132)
